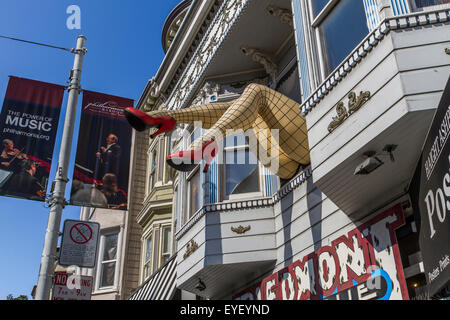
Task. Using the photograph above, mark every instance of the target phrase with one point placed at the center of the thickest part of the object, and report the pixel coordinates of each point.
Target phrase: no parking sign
(79, 244)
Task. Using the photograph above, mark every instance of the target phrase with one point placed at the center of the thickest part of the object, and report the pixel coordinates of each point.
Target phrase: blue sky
(124, 44)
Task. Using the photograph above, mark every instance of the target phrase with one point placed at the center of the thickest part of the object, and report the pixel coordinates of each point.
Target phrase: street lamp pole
(57, 200)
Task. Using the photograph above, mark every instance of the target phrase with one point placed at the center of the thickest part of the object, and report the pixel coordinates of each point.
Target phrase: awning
(161, 285)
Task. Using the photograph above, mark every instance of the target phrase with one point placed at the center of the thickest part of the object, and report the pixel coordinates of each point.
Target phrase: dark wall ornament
(354, 104)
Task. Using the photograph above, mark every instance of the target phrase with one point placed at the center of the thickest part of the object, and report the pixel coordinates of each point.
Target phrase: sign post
(79, 244)
(57, 200)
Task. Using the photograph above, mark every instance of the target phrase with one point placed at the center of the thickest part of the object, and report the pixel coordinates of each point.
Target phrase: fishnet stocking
(261, 109)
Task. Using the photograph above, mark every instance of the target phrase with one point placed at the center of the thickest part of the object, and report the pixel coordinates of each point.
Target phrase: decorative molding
(366, 46)
(447, 51)
(240, 229)
(264, 59)
(285, 15)
(207, 91)
(354, 104)
(191, 247)
(215, 35)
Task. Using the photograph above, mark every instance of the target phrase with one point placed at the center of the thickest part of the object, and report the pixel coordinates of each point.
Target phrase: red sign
(72, 287)
(81, 233)
(363, 264)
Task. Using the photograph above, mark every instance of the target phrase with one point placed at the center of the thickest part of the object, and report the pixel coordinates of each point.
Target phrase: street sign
(79, 244)
(72, 287)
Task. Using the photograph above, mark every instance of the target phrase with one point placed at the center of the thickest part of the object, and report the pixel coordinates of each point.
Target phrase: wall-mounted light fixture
(201, 286)
(373, 161)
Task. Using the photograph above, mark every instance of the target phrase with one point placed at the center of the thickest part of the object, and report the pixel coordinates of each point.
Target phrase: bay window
(340, 26)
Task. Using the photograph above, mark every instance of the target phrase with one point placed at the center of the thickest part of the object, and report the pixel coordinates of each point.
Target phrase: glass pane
(194, 185)
(318, 5)
(154, 160)
(241, 172)
(147, 270)
(148, 252)
(427, 3)
(341, 31)
(235, 140)
(166, 239)
(110, 249)
(108, 274)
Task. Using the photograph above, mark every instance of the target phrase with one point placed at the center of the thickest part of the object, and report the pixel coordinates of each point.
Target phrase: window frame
(189, 178)
(148, 236)
(314, 25)
(100, 262)
(167, 254)
(222, 176)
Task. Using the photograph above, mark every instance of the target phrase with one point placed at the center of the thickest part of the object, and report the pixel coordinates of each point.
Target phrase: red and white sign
(81, 233)
(72, 287)
(363, 264)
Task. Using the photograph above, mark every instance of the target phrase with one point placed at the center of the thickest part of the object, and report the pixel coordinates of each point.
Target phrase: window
(194, 192)
(340, 28)
(418, 4)
(152, 174)
(148, 257)
(108, 262)
(240, 169)
(165, 244)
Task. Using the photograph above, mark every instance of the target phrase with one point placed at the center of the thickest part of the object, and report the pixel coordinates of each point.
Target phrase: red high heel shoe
(186, 161)
(140, 121)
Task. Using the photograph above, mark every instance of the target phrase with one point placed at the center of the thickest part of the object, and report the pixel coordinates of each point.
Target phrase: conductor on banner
(109, 156)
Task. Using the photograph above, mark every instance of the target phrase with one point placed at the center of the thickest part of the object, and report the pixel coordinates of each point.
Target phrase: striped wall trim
(161, 285)
(366, 46)
(400, 7)
(292, 185)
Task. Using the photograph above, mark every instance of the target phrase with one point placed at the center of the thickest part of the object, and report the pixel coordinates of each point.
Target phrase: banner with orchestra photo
(103, 153)
(28, 126)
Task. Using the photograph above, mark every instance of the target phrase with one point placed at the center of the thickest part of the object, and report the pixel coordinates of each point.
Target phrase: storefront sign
(103, 154)
(365, 264)
(430, 192)
(28, 127)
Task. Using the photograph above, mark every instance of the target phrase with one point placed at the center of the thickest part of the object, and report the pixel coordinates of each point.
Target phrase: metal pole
(57, 201)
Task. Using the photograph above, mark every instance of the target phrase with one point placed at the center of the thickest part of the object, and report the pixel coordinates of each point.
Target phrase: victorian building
(367, 75)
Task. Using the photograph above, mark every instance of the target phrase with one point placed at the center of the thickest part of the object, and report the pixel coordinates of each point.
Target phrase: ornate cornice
(216, 33)
(285, 15)
(367, 45)
(262, 58)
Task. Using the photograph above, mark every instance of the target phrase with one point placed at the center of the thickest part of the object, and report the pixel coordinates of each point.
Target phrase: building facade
(368, 76)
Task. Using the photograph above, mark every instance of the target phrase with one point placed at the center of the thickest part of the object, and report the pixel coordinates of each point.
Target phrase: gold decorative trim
(447, 51)
(191, 247)
(240, 229)
(354, 104)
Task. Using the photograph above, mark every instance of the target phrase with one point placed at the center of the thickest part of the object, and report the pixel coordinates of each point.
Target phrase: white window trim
(149, 233)
(98, 272)
(161, 254)
(222, 179)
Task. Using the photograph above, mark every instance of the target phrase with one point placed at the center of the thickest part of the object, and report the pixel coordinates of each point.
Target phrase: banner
(103, 153)
(28, 127)
(430, 194)
(364, 264)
